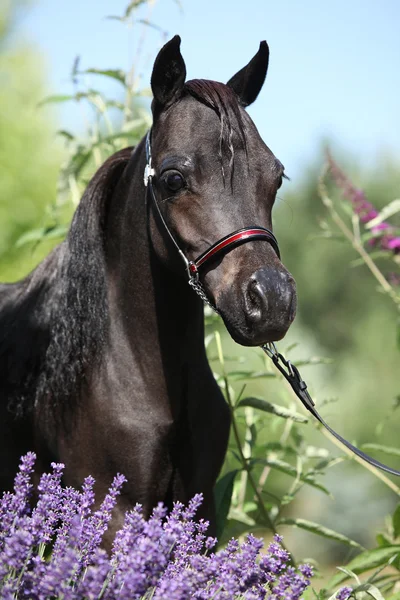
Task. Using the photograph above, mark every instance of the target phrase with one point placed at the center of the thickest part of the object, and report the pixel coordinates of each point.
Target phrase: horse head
(212, 175)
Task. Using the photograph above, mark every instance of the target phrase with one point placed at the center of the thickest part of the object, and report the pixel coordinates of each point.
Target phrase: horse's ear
(169, 73)
(248, 82)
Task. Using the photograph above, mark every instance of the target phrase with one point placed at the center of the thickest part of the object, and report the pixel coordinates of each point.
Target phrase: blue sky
(334, 66)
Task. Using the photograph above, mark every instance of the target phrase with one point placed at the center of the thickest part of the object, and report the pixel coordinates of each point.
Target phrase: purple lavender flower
(97, 523)
(14, 506)
(344, 593)
(46, 513)
(70, 505)
(384, 233)
(165, 557)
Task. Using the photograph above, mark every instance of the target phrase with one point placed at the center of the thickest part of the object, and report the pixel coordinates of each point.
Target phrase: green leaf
(56, 99)
(253, 435)
(115, 104)
(314, 360)
(314, 452)
(288, 469)
(250, 506)
(372, 590)
(360, 262)
(275, 409)
(132, 6)
(152, 25)
(349, 573)
(290, 347)
(287, 499)
(116, 74)
(52, 233)
(383, 541)
(319, 530)
(370, 559)
(239, 375)
(34, 235)
(277, 447)
(78, 161)
(385, 449)
(241, 517)
(223, 496)
(44, 233)
(396, 521)
(66, 134)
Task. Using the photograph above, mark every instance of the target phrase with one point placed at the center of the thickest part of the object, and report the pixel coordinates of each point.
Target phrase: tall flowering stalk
(53, 551)
(384, 235)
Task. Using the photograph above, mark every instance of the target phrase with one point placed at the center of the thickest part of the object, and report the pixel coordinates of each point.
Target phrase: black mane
(54, 322)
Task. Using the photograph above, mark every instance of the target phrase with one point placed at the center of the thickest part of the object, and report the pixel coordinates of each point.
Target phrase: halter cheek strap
(241, 236)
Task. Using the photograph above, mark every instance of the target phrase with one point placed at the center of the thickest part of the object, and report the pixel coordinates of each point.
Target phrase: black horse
(102, 359)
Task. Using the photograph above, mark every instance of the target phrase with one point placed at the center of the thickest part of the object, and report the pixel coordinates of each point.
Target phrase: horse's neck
(156, 320)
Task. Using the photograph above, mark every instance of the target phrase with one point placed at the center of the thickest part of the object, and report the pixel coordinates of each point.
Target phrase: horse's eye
(174, 181)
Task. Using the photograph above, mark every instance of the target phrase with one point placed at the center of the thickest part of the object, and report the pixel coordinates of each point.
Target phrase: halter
(224, 245)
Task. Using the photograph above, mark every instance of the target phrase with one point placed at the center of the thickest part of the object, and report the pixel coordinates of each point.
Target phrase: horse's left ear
(169, 74)
(248, 82)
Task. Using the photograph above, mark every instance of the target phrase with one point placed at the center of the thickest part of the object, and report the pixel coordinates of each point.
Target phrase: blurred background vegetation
(341, 315)
(29, 155)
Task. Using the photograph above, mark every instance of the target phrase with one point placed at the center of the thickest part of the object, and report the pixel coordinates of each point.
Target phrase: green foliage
(28, 159)
(32, 217)
(252, 506)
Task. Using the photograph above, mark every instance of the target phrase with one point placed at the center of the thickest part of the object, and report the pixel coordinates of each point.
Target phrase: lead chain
(198, 288)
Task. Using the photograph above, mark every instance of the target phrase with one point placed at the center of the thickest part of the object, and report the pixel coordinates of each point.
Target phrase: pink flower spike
(380, 227)
(371, 214)
(394, 244)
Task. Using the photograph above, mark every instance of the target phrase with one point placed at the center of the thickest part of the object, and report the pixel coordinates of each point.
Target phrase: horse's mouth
(246, 333)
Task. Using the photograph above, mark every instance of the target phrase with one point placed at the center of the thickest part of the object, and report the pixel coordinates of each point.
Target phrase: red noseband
(230, 241)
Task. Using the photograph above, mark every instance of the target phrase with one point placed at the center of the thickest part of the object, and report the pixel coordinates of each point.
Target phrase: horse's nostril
(257, 301)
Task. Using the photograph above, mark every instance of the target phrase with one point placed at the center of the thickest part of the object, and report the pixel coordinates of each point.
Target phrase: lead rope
(284, 366)
(299, 386)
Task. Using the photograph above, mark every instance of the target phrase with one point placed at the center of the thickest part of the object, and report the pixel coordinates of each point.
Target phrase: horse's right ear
(169, 74)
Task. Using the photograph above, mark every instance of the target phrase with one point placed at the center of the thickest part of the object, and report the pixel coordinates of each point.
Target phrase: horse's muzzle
(267, 307)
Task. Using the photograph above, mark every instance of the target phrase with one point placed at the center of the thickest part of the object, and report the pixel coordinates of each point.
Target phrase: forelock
(225, 103)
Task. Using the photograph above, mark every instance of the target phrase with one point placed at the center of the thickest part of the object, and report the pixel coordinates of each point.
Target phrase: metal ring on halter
(192, 270)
